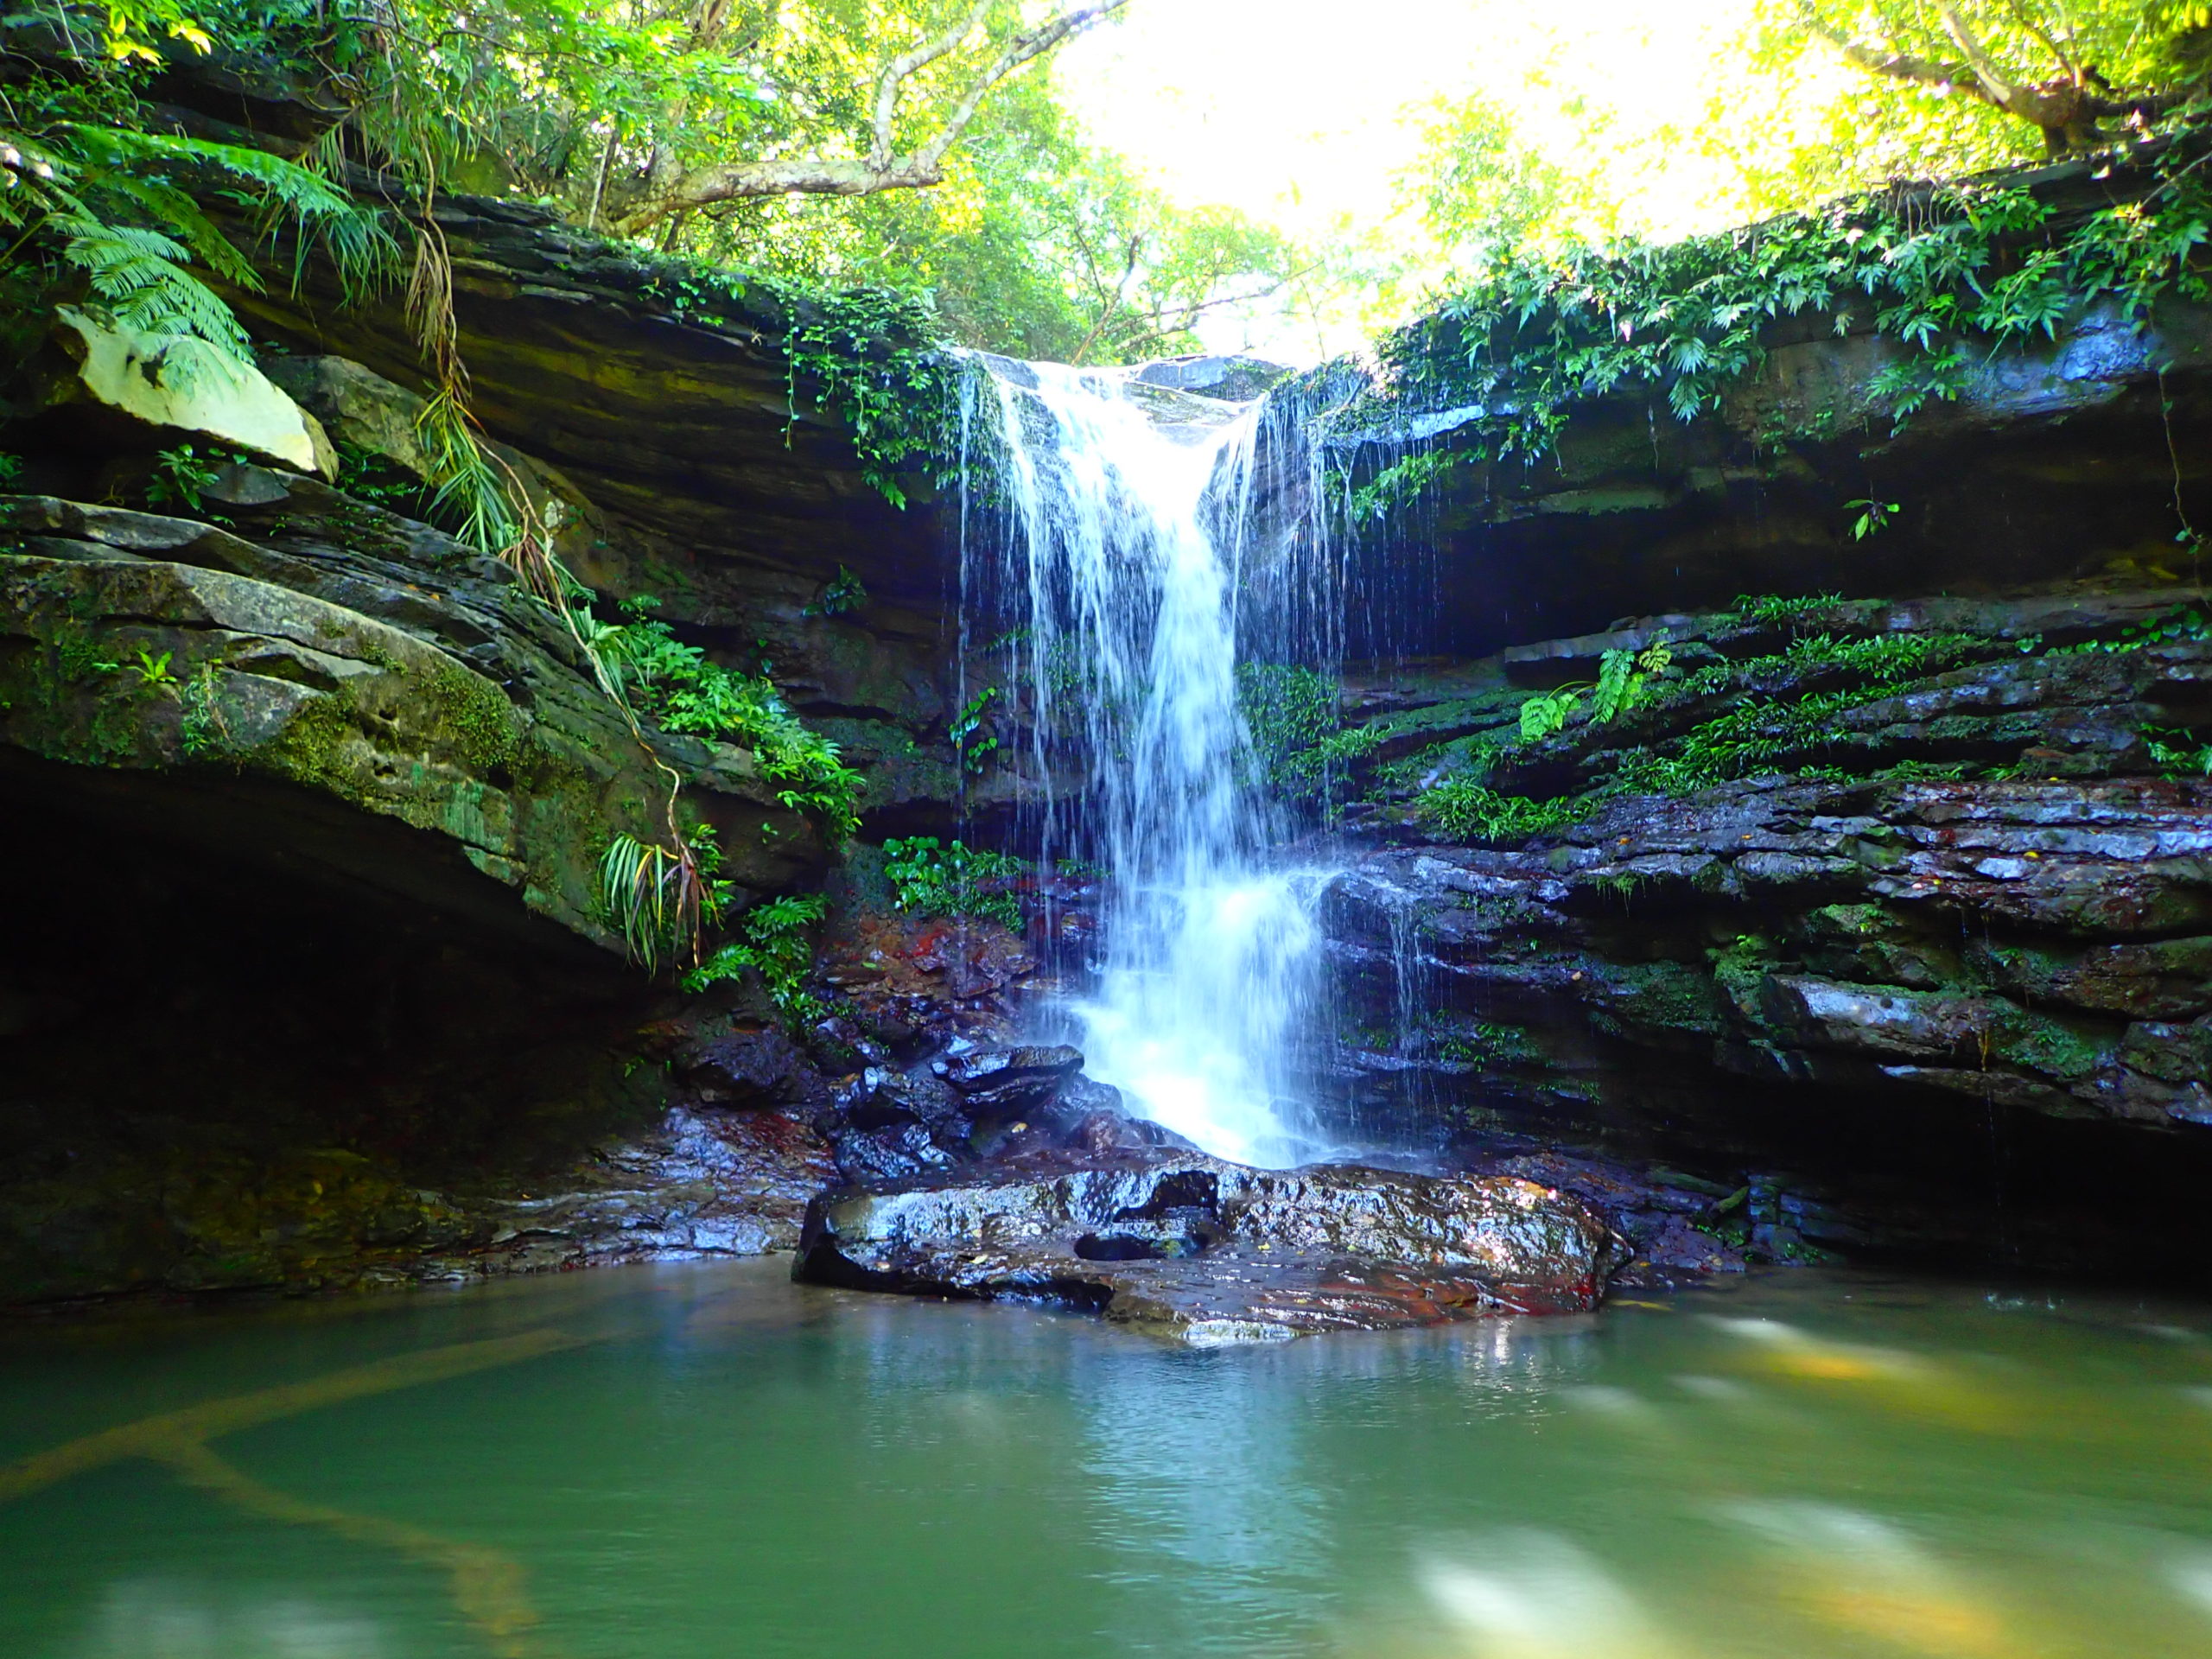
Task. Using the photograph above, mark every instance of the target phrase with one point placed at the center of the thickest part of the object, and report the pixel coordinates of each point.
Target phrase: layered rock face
(1941, 946)
(2072, 458)
(309, 976)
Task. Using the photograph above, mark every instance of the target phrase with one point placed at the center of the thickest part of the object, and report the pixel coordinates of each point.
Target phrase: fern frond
(141, 275)
(165, 204)
(321, 213)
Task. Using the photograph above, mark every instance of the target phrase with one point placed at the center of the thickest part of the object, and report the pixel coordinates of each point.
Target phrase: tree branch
(883, 168)
(895, 73)
(1956, 78)
(1986, 70)
(1019, 50)
(2026, 20)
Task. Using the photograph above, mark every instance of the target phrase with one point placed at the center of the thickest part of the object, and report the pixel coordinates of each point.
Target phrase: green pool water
(708, 1461)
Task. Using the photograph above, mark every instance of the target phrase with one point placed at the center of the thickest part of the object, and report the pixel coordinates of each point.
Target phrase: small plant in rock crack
(1873, 516)
(842, 595)
(206, 733)
(2177, 753)
(179, 476)
(154, 672)
(11, 468)
(1625, 679)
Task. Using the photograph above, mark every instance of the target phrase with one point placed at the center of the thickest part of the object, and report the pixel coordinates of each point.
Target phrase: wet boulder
(889, 1097)
(1211, 1252)
(888, 1154)
(749, 1068)
(1002, 1080)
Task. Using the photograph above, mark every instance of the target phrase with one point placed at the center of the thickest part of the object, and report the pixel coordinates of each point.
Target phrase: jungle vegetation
(914, 144)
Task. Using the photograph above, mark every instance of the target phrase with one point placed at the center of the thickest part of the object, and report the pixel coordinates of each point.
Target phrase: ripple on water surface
(711, 1461)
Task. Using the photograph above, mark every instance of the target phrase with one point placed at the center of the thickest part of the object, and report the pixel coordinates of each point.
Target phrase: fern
(322, 217)
(91, 192)
(142, 276)
(775, 947)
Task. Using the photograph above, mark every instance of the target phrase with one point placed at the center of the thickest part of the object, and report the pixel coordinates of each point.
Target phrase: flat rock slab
(1213, 1252)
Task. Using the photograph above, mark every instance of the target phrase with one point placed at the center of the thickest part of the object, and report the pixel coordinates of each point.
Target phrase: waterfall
(1126, 561)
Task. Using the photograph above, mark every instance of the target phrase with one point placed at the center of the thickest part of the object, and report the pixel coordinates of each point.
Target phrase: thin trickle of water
(1128, 553)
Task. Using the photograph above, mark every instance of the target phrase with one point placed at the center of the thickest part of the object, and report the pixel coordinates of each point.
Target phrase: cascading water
(1127, 554)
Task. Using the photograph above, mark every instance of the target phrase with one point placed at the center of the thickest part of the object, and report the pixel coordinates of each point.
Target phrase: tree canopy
(914, 143)
(1800, 101)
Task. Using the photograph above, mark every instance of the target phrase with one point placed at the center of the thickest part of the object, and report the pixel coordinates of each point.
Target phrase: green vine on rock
(875, 360)
(1952, 273)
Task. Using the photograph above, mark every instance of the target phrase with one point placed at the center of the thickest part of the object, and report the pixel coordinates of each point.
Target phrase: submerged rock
(1213, 1252)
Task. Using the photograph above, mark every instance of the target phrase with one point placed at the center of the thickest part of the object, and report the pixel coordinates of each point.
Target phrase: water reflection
(1530, 1595)
(1866, 1576)
(159, 1619)
(708, 1462)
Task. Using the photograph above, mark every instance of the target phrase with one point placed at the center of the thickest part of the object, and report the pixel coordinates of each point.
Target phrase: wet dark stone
(752, 1068)
(892, 1097)
(1213, 1252)
(881, 1157)
(1002, 1080)
(1109, 1130)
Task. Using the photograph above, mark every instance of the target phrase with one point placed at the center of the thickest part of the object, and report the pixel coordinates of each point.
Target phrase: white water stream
(1128, 543)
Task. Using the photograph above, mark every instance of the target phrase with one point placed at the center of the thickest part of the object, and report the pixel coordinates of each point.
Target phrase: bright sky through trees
(1303, 112)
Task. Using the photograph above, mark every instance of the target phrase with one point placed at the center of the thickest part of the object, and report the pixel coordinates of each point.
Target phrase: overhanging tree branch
(883, 167)
(2066, 106)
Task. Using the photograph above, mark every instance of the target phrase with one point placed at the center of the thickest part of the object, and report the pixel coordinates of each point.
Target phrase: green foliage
(1773, 611)
(927, 880)
(774, 944)
(180, 474)
(843, 596)
(154, 672)
(1299, 739)
(468, 491)
(1873, 517)
(676, 686)
(102, 200)
(1037, 243)
(11, 468)
(2177, 753)
(1465, 809)
(1480, 1042)
(971, 744)
(1883, 659)
(1623, 684)
(2183, 623)
(1033, 242)
(205, 733)
(873, 358)
(1556, 153)
(1400, 482)
(653, 898)
(1287, 710)
(1759, 732)
(1955, 272)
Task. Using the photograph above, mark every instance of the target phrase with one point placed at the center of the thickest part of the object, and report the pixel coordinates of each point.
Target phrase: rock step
(1211, 1252)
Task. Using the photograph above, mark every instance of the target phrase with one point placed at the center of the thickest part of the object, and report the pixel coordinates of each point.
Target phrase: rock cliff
(1879, 918)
